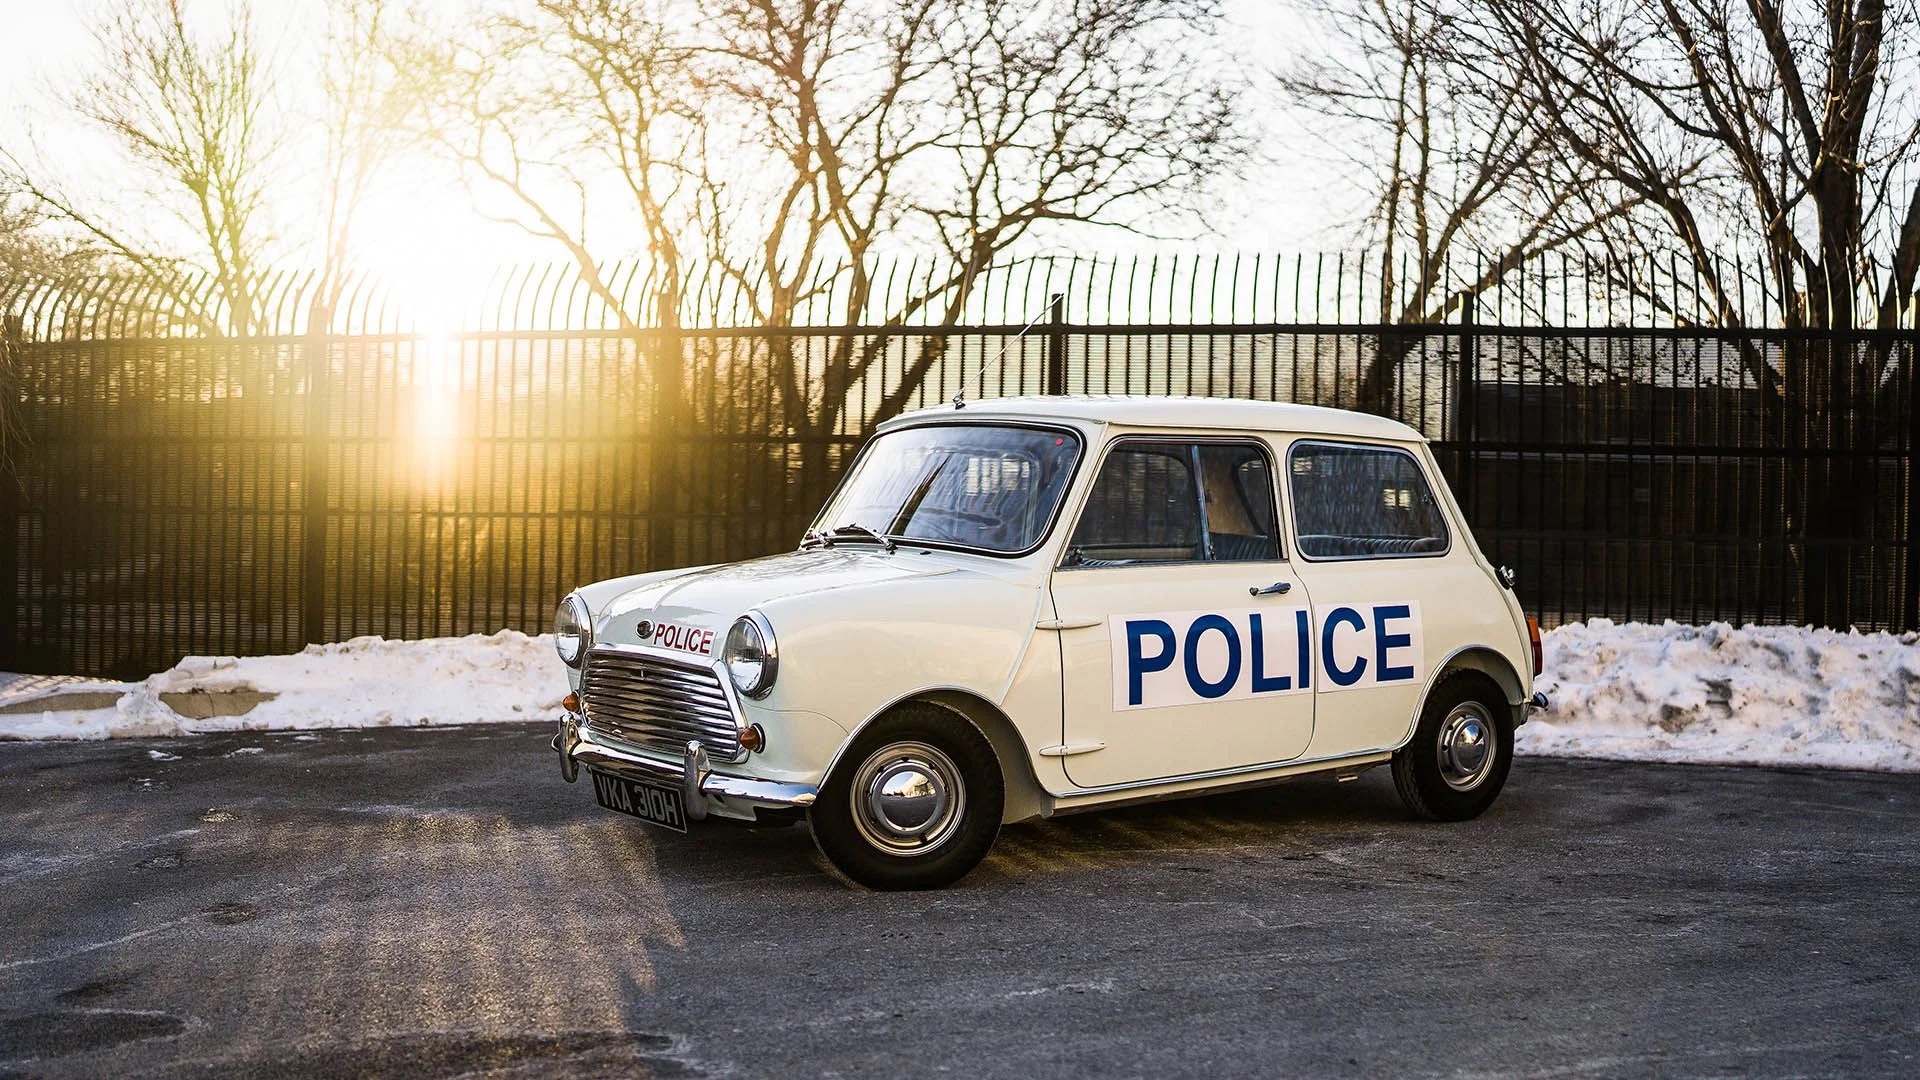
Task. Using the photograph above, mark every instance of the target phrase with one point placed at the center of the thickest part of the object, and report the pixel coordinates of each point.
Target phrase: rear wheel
(915, 802)
(1457, 761)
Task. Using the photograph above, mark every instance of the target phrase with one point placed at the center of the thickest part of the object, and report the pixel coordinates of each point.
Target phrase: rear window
(1363, 502)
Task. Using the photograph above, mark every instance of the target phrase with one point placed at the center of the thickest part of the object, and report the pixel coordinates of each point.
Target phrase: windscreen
(974, 486)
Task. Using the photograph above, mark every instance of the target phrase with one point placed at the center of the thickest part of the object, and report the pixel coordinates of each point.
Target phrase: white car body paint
(1045, 645)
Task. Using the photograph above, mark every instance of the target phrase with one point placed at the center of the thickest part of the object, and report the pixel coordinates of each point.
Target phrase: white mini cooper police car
(1019, 608)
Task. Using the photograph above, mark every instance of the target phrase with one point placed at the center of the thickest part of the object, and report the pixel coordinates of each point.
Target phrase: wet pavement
(439, 903)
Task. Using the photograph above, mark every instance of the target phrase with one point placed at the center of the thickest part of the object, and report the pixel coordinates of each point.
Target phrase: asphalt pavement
(438, 903)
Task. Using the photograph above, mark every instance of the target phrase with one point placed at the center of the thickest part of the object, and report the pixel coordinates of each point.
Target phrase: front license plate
(656, 805)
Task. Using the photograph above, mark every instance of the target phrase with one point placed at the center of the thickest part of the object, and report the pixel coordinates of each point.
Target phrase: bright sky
(428, 223)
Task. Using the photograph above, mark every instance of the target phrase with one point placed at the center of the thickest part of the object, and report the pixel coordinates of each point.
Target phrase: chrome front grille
(658, 705)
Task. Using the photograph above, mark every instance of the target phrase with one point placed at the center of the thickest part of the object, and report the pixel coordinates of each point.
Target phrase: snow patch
(362, 683)
(1716, 694)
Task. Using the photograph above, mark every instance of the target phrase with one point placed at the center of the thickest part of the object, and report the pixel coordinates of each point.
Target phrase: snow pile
(365, 682)
(1758, 695)
(1708, 694)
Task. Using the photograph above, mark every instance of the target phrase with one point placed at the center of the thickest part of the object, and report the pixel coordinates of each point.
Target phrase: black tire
(946, 825)
(1455, 785)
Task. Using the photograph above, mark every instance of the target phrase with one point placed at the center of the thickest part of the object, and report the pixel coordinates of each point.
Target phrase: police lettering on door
(1192, 657)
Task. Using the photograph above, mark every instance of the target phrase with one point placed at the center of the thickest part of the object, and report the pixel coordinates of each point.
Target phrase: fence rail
(1319, 289)
(174, 493)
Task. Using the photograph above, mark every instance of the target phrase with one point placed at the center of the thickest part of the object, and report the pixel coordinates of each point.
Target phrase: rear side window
(1168, 501)
(1360, 502)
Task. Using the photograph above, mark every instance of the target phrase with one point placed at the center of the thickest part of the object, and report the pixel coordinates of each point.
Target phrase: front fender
(850, 654)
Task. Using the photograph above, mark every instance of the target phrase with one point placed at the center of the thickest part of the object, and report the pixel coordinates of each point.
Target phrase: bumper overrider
(704, 791)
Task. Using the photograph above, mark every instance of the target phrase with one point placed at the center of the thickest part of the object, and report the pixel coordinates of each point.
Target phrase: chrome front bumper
(704, 791)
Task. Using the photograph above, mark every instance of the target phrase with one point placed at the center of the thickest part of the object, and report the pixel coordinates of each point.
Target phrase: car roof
(1174, 412)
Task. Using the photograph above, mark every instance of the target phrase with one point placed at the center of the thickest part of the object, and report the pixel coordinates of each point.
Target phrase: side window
(1144, 507)
(1178, 502)
(1363, 502)
(1239, 488)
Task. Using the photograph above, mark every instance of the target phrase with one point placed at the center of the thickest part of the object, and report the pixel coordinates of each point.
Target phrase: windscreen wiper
(854, 528)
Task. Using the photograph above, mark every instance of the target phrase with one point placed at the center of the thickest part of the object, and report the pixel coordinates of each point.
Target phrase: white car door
(1184, 632)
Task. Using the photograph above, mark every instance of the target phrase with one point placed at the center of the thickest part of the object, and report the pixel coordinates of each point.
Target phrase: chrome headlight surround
(572, 631)
(751, 656)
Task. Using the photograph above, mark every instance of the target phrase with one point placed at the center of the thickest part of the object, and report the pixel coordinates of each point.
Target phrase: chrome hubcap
(1466, 746)
(907, 798)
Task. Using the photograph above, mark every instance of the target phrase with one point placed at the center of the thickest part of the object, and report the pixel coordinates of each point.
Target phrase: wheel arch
(1491, 664)
(1025, 799)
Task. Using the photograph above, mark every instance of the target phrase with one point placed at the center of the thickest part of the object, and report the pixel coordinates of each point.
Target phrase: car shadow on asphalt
(1298, 820)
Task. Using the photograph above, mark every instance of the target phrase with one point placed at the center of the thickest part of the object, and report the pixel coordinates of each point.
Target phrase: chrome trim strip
(1215, 774)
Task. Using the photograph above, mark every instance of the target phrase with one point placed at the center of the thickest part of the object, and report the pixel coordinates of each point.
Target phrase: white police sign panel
(1170, 658)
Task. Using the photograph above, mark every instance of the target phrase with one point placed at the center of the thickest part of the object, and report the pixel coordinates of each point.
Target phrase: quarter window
(1164, 501)
(1363, 502)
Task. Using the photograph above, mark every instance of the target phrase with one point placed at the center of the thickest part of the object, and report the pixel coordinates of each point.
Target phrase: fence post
(1465, 404)
(1911, 608)
(12, 445)
(313, 487)
(1056, 344)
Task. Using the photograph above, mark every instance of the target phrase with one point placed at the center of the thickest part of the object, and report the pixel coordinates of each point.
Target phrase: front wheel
(1457, 761)
(914, 803)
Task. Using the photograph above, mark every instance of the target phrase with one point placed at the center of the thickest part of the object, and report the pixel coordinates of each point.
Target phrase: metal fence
(170, 493)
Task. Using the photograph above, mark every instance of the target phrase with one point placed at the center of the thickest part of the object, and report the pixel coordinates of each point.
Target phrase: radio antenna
(960, 396)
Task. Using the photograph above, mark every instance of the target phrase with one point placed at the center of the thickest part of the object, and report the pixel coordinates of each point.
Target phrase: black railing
(174, 495)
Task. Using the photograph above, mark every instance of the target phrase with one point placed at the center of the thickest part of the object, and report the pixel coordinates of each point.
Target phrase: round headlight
(751, 658)
(572, 630)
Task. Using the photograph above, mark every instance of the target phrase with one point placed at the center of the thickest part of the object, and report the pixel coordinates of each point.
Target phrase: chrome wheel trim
(1466, 747)
(907, 798)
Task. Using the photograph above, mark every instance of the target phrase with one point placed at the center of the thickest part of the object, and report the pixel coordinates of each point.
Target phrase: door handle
(1276, 587)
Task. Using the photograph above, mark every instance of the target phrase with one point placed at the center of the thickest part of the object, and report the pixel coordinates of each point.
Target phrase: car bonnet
(691, 613)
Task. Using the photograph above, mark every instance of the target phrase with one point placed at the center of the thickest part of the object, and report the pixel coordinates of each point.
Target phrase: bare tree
(774, 140)
(571, 112)
(369, 101)
(967, 124)
(1466, 187)
(1069, 112)
(192, 113)
(32, 245)
(770, 136)
(1787, 127)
